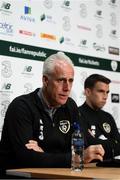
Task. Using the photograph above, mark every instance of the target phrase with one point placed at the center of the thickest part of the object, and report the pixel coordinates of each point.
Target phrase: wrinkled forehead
(63, 69)
(62, 63)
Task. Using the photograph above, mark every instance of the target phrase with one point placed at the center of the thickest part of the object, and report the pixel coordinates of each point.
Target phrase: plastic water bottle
(77, 148)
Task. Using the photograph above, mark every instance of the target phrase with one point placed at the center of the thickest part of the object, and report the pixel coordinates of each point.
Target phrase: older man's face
(59, 84)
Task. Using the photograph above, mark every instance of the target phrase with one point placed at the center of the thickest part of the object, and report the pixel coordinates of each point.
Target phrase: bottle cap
(76, 126)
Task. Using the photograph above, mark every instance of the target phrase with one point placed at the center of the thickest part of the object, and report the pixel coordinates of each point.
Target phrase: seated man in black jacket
(99, 126)
(38, 126)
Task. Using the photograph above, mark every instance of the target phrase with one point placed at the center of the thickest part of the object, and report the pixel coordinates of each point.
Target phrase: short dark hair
(93, 79)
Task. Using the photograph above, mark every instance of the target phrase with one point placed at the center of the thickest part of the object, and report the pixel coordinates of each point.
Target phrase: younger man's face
(97, 96)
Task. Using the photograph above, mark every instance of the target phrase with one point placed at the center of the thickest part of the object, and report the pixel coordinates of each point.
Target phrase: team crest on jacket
(64, 126)
(106, 127)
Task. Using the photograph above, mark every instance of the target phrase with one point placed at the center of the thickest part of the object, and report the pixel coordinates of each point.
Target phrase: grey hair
(51, 61)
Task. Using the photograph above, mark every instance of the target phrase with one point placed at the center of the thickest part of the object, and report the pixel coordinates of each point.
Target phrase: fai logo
(64, 126)
(106, 127)
(114, 65)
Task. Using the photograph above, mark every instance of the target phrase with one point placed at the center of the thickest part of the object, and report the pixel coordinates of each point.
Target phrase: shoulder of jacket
(71, 101)
(106, 114)
(71, 104)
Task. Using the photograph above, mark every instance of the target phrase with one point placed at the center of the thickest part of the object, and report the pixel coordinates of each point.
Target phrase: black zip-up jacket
(106, 132)
(27, 120)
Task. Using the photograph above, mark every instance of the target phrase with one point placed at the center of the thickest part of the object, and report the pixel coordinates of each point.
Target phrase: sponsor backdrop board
(88, 31)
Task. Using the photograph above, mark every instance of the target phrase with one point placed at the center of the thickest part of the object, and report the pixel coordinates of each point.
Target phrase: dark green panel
(8, 48)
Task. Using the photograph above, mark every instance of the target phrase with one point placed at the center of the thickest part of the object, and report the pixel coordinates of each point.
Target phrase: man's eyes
(65, 81)
(100, 91)
(60, 80)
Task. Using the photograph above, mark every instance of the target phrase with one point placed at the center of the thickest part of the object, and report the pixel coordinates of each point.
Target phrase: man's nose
(67, 85)
(105, 96)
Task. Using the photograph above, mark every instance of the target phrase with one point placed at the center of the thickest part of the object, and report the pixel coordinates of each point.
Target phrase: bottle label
(78, 142)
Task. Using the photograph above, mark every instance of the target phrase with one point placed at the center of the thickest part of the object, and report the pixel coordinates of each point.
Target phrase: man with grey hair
(38, 126)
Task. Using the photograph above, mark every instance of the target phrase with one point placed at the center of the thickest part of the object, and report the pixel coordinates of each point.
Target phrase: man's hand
(93, 152)
(33, 145)
(90, 153)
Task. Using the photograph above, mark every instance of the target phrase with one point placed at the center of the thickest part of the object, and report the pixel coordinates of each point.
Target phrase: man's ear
(45, 80)
(87, 91)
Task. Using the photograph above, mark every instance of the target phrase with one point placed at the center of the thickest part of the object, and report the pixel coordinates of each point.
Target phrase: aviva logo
(27, 10)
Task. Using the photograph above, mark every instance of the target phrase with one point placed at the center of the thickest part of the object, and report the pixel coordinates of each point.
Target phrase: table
(89, 172)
